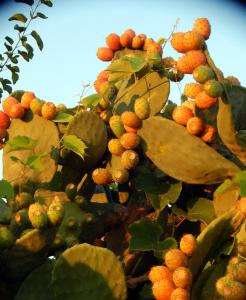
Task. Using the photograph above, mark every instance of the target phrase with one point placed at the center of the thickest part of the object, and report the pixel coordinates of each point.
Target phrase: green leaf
(19, 28)
(71, 142)
(34, 162)
(8, 47)
(47, 3)
(6, 189)
(91, 101)
(120, 65)
(146, 292)
(242, 182)
(29, 2)
(18, 17)
(15, 159)
(200, 209)
(9, 40)
(38, 39)
(62, 118)
(145, 236)
(5, 212)
(15, 77)
(24, 55)
(41, 15)
(21, 142)
(29, 49)
(137, 63)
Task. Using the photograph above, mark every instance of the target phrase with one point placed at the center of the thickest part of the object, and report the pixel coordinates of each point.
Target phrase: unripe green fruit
(6, 238)
(23, 200)
(142, 108)
(61, 107)
(71, 241)
(213, 88)
(117, 126)
(239, 272)
(203, 73)
(71, 191)
(37, 215)
(55, 212)
(36, 106)
(175, 75)
(104, 103)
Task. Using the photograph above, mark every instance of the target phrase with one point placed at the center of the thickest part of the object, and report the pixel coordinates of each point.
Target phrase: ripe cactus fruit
(117, 126)
(101, 176)
(147, 42)
(213, 88)
(36, 106)
(191, 104)
(175, 258)
(202, 26)
(105, 115)
(37, 215)
(115, 147)
(6, 238)
(154, 47)
(23, 200)
(3, 133)
(120, 176)
(16, 111)
(195, 126)
(203, 101)
(48, 111)
(126, 40)
(8, 102)
(130, 119)
(158, 273)
(104, 75)
(168, 62)
(130, 140)
(55, 212)
(181, 115)
(182, 277)
(208, 134)
(142, 108)
(180, 294)
(129, 159)
(183, 65)
(230, 289)
(177, 42)
(26, 99)
(195, 58)
(130, 129)
(163, 289)
(21, 217)
(191, 90)
(4, 120)
(203, 73)
(193, 41)
(137, 42)
(105, 54)
(241, 248)
(130, 32)
(98, 84)
(113, 41)
(188, 244)
(239, 272)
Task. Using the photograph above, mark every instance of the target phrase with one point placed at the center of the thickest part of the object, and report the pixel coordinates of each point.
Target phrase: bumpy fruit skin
(175, 258)
(130, 140)
(181, 115)
(203, 73)
(130, 32)
(113, 41)
(183, 65)
(188, 244)
(61, 107)
(202, 26)
(37, 216)
(8, 102)
(154, 47)
(117, 126)
(213, 88)
(105, 54)
(130, 129)
(98, 84)
(239, 272)
(182, 277)
(142, 36)
(26, 99)
(177, 42)
(137, 42)
(115, 147)
(129, 159)
(147, 42)
(193, 41)
(36, 106)
(101, 176)
(104, 75)
(120, 176)
(16, 111)
(180, 294)
(230, 289)
(241, 248)
(195, 58)
(142, 108)
(126, 40)
(4, 120)
(209, 134)
(130, 119)
(48, 111)
(6, 238)
(163, 289)
(195, 126)
(3, 133)
(191, 104)
(234, 80)
(233, 261)
(158, 273)
(191, 90)
(203, 101)
(55, 212)
(23, 200)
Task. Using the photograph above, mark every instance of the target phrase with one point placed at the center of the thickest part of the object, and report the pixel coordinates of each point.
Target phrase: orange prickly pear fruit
(104, 75)
(137, 42)
(130, 129)
(126, 40)
(188, 244)
(193, 41)
(203, 27)
(181, 115)
(120, 176)
(203, 101)
(8, 102)
(3, 133)
(195, 58)
(191, 104)
(175, 258)
(101, 176)
(163, 289)
(177, 42)
(115, 147)
(158, 273)
(113, 41)
(105, 54)
(180, 294)
(192, 89)
(16, 111)
(130, 119)
(4, 120)
(129, 159)
(130, 32)
(26, 99)
(195, 126)
(154, 47)
(208, 134)
(130, 140)
(48, 111)
(183, 65)
(182, 277)
(147, 42)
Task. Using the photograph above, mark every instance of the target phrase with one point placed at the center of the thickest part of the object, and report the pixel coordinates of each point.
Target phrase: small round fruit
(23, 200)
(234, 80)
(130, 140)
(115, 147)
(137, 42)
(36, 106)
(213, 88)
(16, 111)
(117, 126)
(126, 40)
(130, 129)
(191, 90)
(3, 133)
(241, 248)
(195, 58)
(98, 84)
(180, 294)
(158, 273)
(113, 41)
(239, 272)
(188, 244)
(175, 258)
(8, 102)
(61, 107)
(182, 277)
(130, 119)
(208, 134)
(154, 47)
(37, 215)
(191, 104)
(202, 26)
(183, 65)
(203, 101)
(130, 32)
(147, 42)
(120, 176)
(26, 99)
(163, 289)
(195, 126)
(105, 54)
(104, 75)
(4, 120)
(203, 73)
(101, 176)
(142, 108)
(129, 159)
(193, 41)
(177, 42)
(48, 111)
(181, 115)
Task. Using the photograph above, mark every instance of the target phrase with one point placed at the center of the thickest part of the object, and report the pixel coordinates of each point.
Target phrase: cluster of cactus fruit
(128, 195)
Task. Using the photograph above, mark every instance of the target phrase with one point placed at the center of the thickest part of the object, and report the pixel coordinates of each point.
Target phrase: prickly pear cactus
(94, 272)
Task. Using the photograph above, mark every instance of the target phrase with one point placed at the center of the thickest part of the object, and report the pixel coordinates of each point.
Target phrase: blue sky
(76, 28)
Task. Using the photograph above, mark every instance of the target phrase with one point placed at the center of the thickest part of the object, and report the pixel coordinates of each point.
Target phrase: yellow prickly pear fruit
(142, 108)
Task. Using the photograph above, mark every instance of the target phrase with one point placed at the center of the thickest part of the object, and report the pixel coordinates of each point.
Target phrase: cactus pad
(88, 272)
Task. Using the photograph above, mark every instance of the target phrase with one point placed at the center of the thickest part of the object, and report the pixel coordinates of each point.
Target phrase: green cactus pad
(37, 285)
(5, 212)
(88, 272)
(45, 197)
(46, 135)
(91, 129)
(182, 156)
(153, 86)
